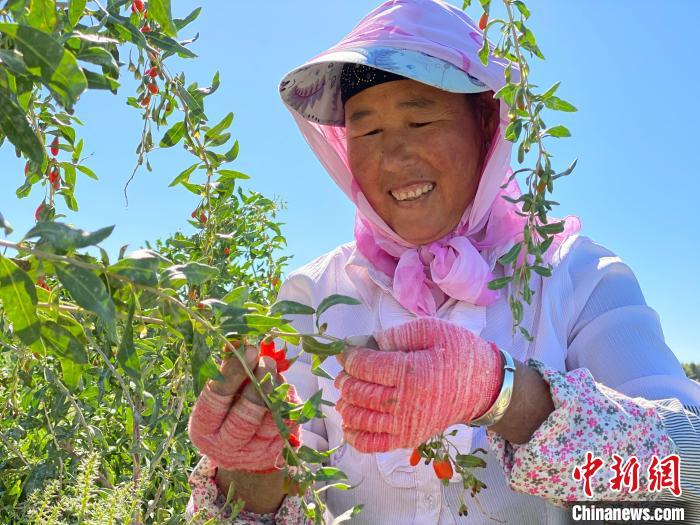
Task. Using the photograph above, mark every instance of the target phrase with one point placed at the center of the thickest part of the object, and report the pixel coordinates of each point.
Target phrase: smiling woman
(417, 153)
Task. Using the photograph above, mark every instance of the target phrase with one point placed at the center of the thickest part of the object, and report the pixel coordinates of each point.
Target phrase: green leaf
(97, 81)
(172, 137)
(75, 11)
(291, 307)
(160, 11)
(62, 343)
(57, 67)
(507, 93)
(14, 61)
(262, 323)
(558, 104)
(550, 91)
(499, 283)
(126, 30)
(310, 409)
(195, 107)
(182, 22)
(231, 174)
(42, 15)
(330, 474)
(19, 300)
(71, 372)
(332, 300)
(190, 273)
(126, 355)
(69, 198)
(542, 270)
(511, 256)
(567, 171)
(203, 366)
(87, 171)
(558, 131)
(311, 455)
(98, 55)
(551, 228)
(215, 131)
(484, 52)
(5, 225)
(169, 45)
(88, 290)
(348, 514)
(236, 297)
(316, 362)
(311, 346)
(184, 176)
(513, 130)
(469, 461)
(14, 124)
(139, 267)
(522, 8)
(231, 154)
(64, 237)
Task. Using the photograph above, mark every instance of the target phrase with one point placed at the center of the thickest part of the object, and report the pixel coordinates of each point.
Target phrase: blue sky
(629, 67)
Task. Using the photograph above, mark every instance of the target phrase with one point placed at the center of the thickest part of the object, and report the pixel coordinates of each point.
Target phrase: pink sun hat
(313, 89)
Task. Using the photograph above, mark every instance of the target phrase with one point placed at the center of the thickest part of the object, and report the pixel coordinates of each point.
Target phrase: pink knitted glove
(237, 433)
(437, 375)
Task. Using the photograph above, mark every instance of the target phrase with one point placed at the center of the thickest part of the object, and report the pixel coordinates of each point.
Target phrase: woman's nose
(397, 153)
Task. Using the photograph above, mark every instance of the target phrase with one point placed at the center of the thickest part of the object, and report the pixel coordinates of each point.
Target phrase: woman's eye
(419, 124)
(373, 132)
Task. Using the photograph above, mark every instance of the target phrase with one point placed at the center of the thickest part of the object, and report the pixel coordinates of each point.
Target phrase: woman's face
(416, 152)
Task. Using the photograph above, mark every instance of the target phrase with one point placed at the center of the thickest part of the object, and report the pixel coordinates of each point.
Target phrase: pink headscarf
(460, 264)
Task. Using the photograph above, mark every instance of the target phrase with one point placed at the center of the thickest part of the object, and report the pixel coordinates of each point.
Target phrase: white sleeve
(618, 337)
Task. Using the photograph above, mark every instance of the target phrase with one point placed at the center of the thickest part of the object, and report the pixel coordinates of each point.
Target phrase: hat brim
(313, 89)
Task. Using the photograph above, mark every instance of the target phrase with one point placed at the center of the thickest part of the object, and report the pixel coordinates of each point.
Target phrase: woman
(401, 114)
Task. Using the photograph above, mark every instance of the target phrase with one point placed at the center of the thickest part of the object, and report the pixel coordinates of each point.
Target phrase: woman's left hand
(428, 374)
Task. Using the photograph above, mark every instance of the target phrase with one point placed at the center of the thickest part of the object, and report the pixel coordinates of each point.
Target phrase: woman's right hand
(230, 422)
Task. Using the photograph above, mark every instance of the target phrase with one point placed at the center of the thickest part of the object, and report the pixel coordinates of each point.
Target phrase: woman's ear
(488, 113)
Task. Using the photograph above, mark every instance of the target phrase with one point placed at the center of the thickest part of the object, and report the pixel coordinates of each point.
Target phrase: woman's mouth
(412, 192)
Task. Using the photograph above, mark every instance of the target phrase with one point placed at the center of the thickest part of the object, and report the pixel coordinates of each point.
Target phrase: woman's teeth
(413, 194)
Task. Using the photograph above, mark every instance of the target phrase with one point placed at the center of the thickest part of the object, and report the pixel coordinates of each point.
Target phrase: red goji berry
(54, 146)
(282, 365)
(145, 101)
(483, 21)
(202, 218)
(42, 283)
(55, 178)
(38, 211)
(153, 72)
(153, 88)
(201, 306)
(227, 251)
(137, 5)
(194, 215)
(442, 468)
(294, 441)
(26, 169)
(415, 457)
(267, 348)
(146, 28)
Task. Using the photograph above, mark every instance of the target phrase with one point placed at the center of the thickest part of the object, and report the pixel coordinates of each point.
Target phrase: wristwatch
(495, 413)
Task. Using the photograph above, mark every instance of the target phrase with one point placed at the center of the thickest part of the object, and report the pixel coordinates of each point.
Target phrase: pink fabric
(456, 264)
(429, 374)
(237, 434)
